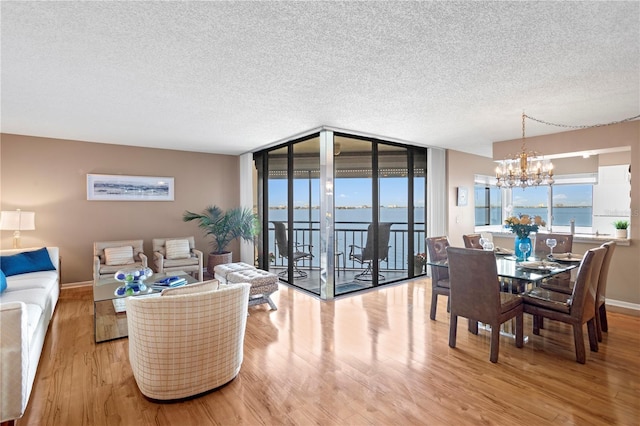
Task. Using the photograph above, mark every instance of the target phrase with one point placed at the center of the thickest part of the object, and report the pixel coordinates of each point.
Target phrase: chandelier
(528, 168)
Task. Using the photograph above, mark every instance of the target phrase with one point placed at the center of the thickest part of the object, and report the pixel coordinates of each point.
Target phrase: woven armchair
(188, 341)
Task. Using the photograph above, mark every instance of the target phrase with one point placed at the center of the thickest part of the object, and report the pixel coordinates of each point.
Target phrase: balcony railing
(353, 233)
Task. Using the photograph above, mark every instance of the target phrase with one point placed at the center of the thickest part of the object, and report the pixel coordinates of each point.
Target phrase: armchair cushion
(118, 255)
(178, 249)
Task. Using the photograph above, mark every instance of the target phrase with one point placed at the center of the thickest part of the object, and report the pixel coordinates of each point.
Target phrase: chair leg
(581, 356)
(473, 326)
(434, 305)
(598, 325)
(519, 330)
(593, 335)
(453, 326)
(495, 342)
(603, 318)
(536, 324)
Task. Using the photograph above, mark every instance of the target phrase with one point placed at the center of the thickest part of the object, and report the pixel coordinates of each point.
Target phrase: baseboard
(623, 307)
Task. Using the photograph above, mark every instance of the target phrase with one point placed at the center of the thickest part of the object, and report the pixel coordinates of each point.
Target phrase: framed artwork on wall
(463, 196)
(129, 188)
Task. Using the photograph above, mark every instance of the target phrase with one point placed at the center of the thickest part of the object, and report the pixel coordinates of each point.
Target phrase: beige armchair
(111, 256)
(190, 342)
(177, 254)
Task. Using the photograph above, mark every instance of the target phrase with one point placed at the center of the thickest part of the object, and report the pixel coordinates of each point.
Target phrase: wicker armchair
(190, 342)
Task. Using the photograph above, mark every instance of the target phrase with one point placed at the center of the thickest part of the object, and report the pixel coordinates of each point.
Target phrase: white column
(247, 250)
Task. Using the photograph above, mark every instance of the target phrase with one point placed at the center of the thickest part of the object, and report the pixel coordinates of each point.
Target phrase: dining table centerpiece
(523, 225)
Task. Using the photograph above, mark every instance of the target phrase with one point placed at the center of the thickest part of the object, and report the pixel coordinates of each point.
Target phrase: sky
(348, 192)
(393, 191)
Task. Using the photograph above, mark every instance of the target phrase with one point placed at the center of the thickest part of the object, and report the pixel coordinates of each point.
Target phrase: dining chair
(575, 309)
(472, 241)
(560, 282)
(601, 310)
(564, 244)
(437, 249)
(476, 295)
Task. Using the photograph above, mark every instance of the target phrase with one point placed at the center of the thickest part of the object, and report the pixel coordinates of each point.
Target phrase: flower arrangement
(524, 224)
(420, 259)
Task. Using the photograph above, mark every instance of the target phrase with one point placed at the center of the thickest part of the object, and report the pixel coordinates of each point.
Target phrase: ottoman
(223, 270)
(263, 283)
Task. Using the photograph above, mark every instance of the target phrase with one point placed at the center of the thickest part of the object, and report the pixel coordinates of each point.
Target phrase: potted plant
(621, 228)
(224, 227)
(418, 263)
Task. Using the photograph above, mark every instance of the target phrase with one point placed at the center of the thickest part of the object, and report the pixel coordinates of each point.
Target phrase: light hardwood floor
(374, 358)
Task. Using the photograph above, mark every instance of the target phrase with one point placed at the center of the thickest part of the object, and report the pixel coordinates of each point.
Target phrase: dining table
(519, 276)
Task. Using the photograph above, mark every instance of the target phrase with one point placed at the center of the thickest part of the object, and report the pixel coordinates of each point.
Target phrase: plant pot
(417, 269)
(621, 233)
(218, 259)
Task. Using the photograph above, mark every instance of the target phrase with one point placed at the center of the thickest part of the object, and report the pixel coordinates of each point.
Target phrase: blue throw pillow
(27, 261)
(3, 281)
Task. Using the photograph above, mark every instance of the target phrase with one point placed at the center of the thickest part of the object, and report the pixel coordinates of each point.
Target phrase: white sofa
(26, 308)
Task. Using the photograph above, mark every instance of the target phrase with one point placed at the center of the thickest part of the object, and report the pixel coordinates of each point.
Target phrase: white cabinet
(611, 198)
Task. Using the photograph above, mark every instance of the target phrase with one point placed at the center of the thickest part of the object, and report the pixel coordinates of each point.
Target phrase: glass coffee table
(109, 316)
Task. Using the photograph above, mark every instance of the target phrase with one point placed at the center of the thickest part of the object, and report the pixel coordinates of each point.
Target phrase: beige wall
(624, 279)
(48, 176)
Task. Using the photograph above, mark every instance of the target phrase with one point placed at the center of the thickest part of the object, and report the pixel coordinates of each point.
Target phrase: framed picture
(463, 195)
(129, 188)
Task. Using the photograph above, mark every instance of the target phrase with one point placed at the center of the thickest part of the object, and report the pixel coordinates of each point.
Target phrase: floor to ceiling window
(341, 212)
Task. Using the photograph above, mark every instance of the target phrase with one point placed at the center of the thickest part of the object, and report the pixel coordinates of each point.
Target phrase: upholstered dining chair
(472, 241)
(437, 249)
(299, 252)
(366, 254)
(476, 295)
(111, 256)
(541, 250)
(601, 310)
(189, 340)
(564, 244)
(177, 254)
(575, 309)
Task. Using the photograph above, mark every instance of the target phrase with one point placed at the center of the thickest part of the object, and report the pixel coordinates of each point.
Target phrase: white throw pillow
(178, 249)
(119, 255)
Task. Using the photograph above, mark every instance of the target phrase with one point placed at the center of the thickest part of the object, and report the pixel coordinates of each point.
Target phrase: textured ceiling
(230, 77)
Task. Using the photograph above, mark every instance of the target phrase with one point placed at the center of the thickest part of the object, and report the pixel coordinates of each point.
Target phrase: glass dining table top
(533, 270)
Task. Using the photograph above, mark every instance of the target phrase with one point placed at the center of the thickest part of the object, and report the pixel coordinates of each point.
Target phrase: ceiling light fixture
(528, 168)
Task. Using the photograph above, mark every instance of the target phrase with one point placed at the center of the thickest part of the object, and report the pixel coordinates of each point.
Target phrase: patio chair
(298, 250)
(366, 255)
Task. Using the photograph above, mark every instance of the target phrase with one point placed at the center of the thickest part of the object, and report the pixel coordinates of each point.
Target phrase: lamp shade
(17, 221)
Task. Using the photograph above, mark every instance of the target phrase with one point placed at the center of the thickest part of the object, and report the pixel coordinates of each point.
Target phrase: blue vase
(519, 254)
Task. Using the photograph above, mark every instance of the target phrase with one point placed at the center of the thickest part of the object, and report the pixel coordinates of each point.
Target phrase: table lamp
(17, 221)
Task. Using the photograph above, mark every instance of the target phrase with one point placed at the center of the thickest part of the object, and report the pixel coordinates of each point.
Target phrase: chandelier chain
(569, 126)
